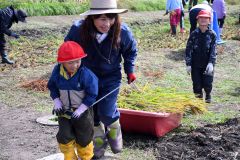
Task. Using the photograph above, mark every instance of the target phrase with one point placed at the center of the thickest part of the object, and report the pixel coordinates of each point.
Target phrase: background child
(174, 7)
(74, 89)
(192, 3)
(182, 17)
(201, 56)
(219, 7)
(8, 16)
(194, 12)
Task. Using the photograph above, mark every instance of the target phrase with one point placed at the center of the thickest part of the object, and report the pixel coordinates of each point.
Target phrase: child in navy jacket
(74, 89)
(201, 56)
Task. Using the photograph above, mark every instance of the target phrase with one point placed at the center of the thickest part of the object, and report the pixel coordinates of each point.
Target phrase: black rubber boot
(5, 58)
(208, 98)
(174, 30)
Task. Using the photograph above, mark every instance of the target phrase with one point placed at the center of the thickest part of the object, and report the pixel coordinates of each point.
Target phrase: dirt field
(21, 138)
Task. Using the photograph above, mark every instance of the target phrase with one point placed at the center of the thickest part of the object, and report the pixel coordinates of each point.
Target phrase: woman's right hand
(131, 77)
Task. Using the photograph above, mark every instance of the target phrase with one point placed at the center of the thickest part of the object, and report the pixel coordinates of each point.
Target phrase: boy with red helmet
(74, 89)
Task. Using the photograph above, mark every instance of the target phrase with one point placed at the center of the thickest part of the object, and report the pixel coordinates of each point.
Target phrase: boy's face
(203, 21)
(72, 66)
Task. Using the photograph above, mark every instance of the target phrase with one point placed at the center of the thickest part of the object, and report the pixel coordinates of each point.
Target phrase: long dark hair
(88, 30)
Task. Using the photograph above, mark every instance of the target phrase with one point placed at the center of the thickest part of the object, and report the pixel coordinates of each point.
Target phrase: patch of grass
(70, 7)
(48, 8)
(211, 117)
(135, 153)
(157, 35)
(225, 91)
(143, 5)
(35, 52)
(232, 2)
(178, 79)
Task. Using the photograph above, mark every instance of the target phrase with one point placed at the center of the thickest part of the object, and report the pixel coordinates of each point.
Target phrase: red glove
(131, 77)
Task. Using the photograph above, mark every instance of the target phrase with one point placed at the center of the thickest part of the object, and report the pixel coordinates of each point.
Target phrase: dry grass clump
(36, 85)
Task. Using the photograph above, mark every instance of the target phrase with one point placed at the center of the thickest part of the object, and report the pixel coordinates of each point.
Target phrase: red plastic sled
(156, 124)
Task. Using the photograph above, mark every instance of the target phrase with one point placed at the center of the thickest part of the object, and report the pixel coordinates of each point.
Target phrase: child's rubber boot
(115, 137)
(99, 141)
(85, 153)
(174, 30)
(68, 150)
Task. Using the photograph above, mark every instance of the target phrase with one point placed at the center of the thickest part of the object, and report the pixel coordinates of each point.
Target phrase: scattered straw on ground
(36, 85)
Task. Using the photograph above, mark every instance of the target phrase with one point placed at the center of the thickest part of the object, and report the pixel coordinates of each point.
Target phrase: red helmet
(204, 13)
(70, 51)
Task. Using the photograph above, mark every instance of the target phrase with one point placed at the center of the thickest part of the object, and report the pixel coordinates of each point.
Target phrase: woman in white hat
(106, 41)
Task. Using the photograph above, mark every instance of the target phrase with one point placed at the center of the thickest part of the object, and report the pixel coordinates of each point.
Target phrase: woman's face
(72, 66)
(103, 23)
(203, 21)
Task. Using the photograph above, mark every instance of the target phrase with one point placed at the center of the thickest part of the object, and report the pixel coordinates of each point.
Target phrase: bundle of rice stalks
(36, 85)
(159, 99)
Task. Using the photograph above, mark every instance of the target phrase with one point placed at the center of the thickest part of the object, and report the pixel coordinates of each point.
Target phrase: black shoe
(208, 99)
(4, 56)
(6, 60)
(199, 95)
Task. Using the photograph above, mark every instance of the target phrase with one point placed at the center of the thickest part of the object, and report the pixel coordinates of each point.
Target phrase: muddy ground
(211, 142)
(21, 138)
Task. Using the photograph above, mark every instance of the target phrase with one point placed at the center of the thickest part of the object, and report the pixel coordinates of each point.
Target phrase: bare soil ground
(211, 142)
(21, 138)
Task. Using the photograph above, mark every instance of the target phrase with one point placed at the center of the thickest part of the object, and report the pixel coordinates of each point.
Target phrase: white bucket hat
(103, 7)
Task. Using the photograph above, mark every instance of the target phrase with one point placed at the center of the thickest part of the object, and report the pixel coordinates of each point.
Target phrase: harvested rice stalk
(160, 100)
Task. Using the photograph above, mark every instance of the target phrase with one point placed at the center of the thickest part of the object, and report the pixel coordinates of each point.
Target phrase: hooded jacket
(200, 48)
(7, 18)
(82, 87)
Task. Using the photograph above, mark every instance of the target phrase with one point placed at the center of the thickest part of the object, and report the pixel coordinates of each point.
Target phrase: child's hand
(57, 109)
(78, 112)
(172, 13)
(209, 69)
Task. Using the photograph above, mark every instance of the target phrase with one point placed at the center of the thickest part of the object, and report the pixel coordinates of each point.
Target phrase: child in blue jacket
(74, 89)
